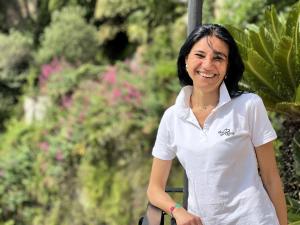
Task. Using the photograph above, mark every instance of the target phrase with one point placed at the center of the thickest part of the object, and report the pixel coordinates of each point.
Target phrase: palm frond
(241, 39)
(273, 25)
(260, 72)
(272, 60)
(262, 43)
(285, 61)
(292, 108)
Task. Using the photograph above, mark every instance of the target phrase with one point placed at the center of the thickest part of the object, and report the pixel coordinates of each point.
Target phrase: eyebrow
(215, 52)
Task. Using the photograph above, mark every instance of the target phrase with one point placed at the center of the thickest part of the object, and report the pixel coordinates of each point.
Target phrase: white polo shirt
(220, 161)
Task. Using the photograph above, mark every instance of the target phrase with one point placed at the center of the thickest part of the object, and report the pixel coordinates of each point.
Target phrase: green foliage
(87, 164)
(17, 186)
(15, 52)
(63, 82)
(62, 38)
(272, 60)
(163, 36)
(293, 211)
(296, 143)
(239, 13)
(15, 57)
(137, 18)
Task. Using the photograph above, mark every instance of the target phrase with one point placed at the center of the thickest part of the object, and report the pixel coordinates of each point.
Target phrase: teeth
(207, 75)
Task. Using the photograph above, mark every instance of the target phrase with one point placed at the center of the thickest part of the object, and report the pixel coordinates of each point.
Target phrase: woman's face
(207, 63)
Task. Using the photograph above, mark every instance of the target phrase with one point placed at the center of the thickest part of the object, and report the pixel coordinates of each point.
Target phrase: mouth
(206, 75)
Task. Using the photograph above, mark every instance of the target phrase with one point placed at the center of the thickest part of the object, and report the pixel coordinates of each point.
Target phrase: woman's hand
(183, 217)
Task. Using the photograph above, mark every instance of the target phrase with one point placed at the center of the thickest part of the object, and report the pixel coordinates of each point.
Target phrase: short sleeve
(261, 128)
(163, 148)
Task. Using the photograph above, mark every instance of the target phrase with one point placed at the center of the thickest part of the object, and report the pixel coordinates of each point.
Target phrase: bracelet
(177, 205)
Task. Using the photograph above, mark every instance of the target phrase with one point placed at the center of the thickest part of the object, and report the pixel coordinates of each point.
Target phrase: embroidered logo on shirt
(226, 132)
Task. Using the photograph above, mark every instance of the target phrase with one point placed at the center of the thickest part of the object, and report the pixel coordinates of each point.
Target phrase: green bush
(87, 164)
(15, 56)
(68, 36)
(15, 52)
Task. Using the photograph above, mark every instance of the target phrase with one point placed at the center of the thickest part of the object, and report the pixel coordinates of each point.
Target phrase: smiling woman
(221, 136)
(206, 65)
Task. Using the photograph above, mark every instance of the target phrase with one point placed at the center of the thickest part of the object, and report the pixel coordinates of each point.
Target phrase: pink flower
(110, 75)
(2, 173)
(44, 146)
(48, 69)
(59, 156)
(53, 67)
(133, 94)
(116, 93)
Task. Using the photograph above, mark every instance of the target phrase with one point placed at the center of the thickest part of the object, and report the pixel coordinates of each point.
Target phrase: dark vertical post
(194, 19)
(194, 14)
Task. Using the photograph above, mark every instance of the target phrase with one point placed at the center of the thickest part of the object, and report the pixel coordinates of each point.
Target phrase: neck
(204, 100)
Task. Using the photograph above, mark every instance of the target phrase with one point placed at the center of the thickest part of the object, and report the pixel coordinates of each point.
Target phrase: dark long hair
(235, 67)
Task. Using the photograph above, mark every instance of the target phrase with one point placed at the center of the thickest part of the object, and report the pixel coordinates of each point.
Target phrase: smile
(207, 75)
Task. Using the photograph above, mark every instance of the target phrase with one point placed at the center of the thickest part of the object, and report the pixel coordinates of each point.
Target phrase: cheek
(223, 67)
(195, 62)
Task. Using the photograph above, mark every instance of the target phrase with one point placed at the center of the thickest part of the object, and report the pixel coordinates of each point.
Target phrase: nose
(207, 63)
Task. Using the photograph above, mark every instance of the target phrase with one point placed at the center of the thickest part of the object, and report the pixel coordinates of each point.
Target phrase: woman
(221, 136)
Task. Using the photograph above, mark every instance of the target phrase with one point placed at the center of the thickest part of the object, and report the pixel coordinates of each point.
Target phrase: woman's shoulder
(248, 98)
(170, 111)
(248, 101)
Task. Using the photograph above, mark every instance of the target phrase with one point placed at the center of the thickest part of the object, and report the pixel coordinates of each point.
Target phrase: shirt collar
(182, 103)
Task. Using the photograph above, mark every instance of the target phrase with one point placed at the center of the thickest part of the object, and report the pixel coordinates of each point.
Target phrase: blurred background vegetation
(85, 82)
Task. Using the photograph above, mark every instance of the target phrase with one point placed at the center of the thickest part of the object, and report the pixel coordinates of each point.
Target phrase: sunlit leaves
(272, 24)
(271, 57)
(262, 43)
(260, 70)
(285, 60)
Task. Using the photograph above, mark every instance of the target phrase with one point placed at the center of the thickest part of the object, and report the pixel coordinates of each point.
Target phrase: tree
(62, 39)
(128, 24)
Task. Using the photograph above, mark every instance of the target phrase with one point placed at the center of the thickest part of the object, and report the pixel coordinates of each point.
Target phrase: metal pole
(194, 14)
(194, 20)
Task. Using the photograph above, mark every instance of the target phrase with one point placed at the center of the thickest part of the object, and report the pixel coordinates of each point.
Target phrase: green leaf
(293, 20)
(241, 38)
(292, 30)
(295, 223)
(269, 101)
(291, 108)
(293, 211)
(297, 99)
(285, 61)
(262, 43)
(260, 72)
(272, 23)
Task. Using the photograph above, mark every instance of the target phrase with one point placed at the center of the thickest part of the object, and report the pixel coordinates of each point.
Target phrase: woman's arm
(158, 197)
(271, 180)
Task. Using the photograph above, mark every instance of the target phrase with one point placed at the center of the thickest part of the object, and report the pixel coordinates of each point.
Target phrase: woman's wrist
(174, 208)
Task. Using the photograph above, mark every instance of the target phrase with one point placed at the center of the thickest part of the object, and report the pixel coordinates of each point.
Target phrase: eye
(200, 55)
(218, 58)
